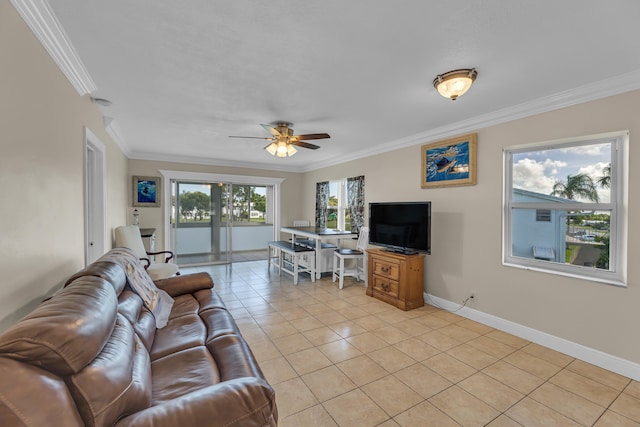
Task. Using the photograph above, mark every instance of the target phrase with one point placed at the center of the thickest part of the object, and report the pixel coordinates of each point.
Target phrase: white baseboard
(595, 357)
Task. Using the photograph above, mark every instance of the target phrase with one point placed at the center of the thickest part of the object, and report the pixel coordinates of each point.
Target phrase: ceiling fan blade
(273, 131)
(251, 137)
(309, 136)
(304, 145)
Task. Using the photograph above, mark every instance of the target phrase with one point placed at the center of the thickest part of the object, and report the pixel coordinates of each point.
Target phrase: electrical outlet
(473, 295)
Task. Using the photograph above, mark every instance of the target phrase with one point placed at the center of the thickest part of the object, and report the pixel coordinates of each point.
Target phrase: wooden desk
(319, 235)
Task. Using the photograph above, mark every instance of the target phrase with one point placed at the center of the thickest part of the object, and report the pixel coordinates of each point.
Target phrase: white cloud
(535, 176)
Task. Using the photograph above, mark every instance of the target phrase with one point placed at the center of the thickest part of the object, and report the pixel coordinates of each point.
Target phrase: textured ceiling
(183, 76)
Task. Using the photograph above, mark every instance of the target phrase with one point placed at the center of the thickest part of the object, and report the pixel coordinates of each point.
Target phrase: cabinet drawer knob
(384, 268)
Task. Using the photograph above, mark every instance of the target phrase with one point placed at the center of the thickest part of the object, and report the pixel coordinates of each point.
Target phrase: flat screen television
(403, 227)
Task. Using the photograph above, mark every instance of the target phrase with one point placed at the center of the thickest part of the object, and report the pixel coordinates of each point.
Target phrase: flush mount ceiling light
(453, 84)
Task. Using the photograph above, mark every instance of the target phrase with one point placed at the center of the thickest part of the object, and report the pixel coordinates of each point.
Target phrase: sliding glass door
(220, 222)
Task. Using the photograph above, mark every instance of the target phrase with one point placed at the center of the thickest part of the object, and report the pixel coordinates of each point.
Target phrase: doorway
(94, 197)
(223, 220)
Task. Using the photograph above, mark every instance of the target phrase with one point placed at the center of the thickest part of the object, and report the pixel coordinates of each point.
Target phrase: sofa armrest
(185, 284)
(242, 402)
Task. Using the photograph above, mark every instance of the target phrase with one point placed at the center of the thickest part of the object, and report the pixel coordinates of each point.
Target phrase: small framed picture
(146, 191)
(450, 162)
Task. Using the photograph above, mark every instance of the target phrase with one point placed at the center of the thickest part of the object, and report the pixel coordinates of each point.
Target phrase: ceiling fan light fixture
(272, 148)
(291, 150)
(453, 84)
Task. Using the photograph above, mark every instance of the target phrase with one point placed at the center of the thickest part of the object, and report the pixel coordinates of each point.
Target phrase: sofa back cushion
(117, 382)
(66, 332)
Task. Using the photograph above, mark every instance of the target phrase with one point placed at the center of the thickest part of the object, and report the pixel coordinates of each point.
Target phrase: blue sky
(538, 170)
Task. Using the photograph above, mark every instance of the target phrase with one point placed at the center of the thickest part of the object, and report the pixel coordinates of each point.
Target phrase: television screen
(403, 227)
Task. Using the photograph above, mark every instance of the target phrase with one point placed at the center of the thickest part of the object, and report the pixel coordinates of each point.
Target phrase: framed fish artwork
(451, 162)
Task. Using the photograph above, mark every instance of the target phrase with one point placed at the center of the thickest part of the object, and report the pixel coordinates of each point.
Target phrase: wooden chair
(358, 255)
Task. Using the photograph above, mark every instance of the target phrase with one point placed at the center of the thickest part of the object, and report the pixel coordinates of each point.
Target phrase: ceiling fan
(282, 139)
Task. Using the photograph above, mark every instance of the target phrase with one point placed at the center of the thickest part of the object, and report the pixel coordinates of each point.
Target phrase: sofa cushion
(117, 382)
(179, 334)
(183, 372)
(66, 332)
(131, 307)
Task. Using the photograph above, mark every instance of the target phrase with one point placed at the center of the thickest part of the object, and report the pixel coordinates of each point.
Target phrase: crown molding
(45, 26)
(115, 133)
(601, 89)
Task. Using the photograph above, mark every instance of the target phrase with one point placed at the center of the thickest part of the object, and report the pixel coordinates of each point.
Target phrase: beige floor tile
(513, 377)
(331, 318)
(392, 317)
(327, 383)
(315, 416)
(472, 356)
(448, 316)
(340, 350)
(548, 354)
(459, 333)
(391, 334)
(568, 404)
(321, 335)
(439, 340)
(265, 351)
(449, 367)
(432, 321)
(293, 396)
(532, 364)
(610, 418)
(492, 347)
(463, 407)
(491, 391)
(608, 378)
(294, 313)
(392, 395)
(362, 370)
(355, 408)
(417, 349)
(292, 343)
(389, 423)
(317, 308)
(352, 313)
(391, 359)
(504, 421)
(528, 412)
(278, 370)
(508, 339)
(422, 380)
(633, 389)
(370, 322)
(367, 342)
(425, 415)
(270, 319)
(348, 329)
(308, 361)
(597, 393)
(476, 327)
(412, 327)
(628, 406)
(307, 324)
(278, 330)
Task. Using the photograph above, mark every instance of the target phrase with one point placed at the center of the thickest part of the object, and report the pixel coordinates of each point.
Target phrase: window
(338, 209)
(564, 207)
(543, 215)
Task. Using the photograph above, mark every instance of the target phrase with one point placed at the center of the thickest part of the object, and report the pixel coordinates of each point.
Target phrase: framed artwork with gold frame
(451, 162)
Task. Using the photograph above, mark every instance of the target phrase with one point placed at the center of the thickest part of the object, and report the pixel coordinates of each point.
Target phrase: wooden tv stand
(396, 278)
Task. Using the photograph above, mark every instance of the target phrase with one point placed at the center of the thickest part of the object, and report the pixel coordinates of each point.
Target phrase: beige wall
(291, 207)
(466, 231)
(42, 120)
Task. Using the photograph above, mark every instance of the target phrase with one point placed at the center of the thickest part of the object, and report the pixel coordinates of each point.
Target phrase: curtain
(355, 202)
(322, 201)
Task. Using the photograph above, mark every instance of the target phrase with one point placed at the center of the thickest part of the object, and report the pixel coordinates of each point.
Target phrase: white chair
(128, 236)
(358, 255)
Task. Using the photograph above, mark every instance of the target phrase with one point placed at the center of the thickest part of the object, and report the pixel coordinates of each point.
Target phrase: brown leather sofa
(91, 356)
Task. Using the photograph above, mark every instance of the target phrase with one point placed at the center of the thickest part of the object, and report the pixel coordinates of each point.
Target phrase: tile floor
(341, 358)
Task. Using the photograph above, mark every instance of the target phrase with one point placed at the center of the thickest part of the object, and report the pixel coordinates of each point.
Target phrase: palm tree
(605, 180)
(580, 185)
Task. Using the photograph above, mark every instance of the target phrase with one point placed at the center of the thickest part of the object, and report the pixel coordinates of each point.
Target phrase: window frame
(617, 273)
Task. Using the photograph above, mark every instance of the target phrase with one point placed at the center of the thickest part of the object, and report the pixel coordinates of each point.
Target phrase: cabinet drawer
(385, 285)
(385, 268)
